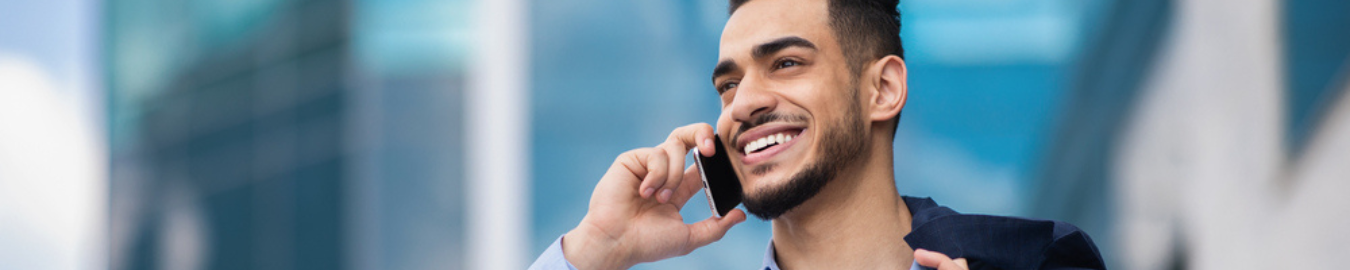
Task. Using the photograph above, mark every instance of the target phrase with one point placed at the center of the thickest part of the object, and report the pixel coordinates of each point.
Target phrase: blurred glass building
(275, 134)
(1208, 135)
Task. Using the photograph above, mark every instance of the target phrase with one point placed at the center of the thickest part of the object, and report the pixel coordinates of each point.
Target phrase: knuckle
(703, 126)
(676, 133)
(678, 156)
(635, 152)
(670, 148)
(627, 156)
(659, 153)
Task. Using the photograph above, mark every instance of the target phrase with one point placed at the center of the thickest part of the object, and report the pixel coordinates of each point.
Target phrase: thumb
(712, 229)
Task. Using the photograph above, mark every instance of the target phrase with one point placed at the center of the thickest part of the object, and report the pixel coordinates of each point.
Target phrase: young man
(811, 94)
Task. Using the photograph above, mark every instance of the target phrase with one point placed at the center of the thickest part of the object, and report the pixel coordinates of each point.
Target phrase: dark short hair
(867, 30)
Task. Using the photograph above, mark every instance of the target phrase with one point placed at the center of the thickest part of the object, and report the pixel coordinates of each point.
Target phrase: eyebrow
(724, 67)
(776, 45)
(764, 49)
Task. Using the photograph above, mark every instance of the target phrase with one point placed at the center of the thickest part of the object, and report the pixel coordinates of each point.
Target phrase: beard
(840, 145)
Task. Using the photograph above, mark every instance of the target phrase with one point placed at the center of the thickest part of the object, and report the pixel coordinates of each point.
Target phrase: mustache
(765, 119)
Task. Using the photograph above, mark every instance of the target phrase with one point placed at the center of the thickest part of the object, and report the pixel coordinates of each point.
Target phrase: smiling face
(791, 108)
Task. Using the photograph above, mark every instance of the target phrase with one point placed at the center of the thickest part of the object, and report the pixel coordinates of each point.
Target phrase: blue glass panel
(1317, 47)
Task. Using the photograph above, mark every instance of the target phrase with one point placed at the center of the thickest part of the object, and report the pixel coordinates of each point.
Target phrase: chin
(775, 190)
(766, 176)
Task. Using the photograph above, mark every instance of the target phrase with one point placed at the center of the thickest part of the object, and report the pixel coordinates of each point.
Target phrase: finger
(632, 163)
(655, 163)
(929, 258)
(950, 265)
(675, 156)
(705, 141)
(712, 229)
(689, 187)
(677, 146)
(694, 135)
(937, 260)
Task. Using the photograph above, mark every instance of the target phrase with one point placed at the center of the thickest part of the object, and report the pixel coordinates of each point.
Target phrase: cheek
(823, 101)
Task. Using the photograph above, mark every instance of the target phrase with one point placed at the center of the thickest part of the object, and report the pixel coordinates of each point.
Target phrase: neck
(857, 221)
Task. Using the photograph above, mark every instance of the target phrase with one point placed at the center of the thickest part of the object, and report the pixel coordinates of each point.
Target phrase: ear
(891, 88)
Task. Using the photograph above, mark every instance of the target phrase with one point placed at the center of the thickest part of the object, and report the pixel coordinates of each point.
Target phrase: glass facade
(228, 119)
(411, 70)
(1317, 57)
(285, 134)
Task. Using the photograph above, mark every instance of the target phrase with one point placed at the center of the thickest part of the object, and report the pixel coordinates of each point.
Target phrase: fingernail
(648, 193)
(708, 142)
(665, 195)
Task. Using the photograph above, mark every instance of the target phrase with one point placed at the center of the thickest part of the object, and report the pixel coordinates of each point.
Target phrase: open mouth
(772, 140)
(762, 144)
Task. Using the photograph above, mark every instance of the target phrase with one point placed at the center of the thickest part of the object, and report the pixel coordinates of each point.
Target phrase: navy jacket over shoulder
(996, 242)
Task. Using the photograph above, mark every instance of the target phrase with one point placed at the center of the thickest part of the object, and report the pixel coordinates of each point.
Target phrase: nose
(752, 99)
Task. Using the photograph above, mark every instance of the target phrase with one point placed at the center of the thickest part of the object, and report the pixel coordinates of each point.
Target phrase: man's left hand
(939, 261)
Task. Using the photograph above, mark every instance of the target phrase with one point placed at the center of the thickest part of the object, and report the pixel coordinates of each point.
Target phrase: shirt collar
(769, 262)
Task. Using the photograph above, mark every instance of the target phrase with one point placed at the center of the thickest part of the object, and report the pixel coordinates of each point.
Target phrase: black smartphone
(720, 183)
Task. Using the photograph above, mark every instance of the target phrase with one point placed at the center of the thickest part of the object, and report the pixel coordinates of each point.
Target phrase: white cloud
(51, 174)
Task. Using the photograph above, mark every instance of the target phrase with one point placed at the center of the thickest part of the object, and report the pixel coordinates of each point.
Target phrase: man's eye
(787, 63)
(726, 87)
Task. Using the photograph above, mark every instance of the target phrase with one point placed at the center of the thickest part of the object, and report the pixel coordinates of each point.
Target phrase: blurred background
(468, 134)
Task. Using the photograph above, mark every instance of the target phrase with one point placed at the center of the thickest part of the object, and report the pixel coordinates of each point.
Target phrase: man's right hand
(634, 214)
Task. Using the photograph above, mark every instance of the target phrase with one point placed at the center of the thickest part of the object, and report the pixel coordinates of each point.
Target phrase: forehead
(759, 21)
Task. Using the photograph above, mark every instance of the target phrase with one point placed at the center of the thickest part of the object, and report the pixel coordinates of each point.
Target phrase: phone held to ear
(720, 183)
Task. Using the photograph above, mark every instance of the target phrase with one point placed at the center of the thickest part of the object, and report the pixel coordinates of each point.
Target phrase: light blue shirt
(552, 258)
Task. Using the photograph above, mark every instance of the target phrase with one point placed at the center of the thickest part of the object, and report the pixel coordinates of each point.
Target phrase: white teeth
(767, 141)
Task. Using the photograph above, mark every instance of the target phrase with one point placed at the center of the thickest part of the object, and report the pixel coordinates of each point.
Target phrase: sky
(52, 188)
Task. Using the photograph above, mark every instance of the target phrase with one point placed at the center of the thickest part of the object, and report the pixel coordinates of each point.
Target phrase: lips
(766, 141)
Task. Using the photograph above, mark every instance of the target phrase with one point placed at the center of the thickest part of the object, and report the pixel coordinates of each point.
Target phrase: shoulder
(1000, 241)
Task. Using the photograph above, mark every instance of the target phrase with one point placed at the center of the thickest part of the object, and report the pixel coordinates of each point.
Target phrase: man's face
(791, 113)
